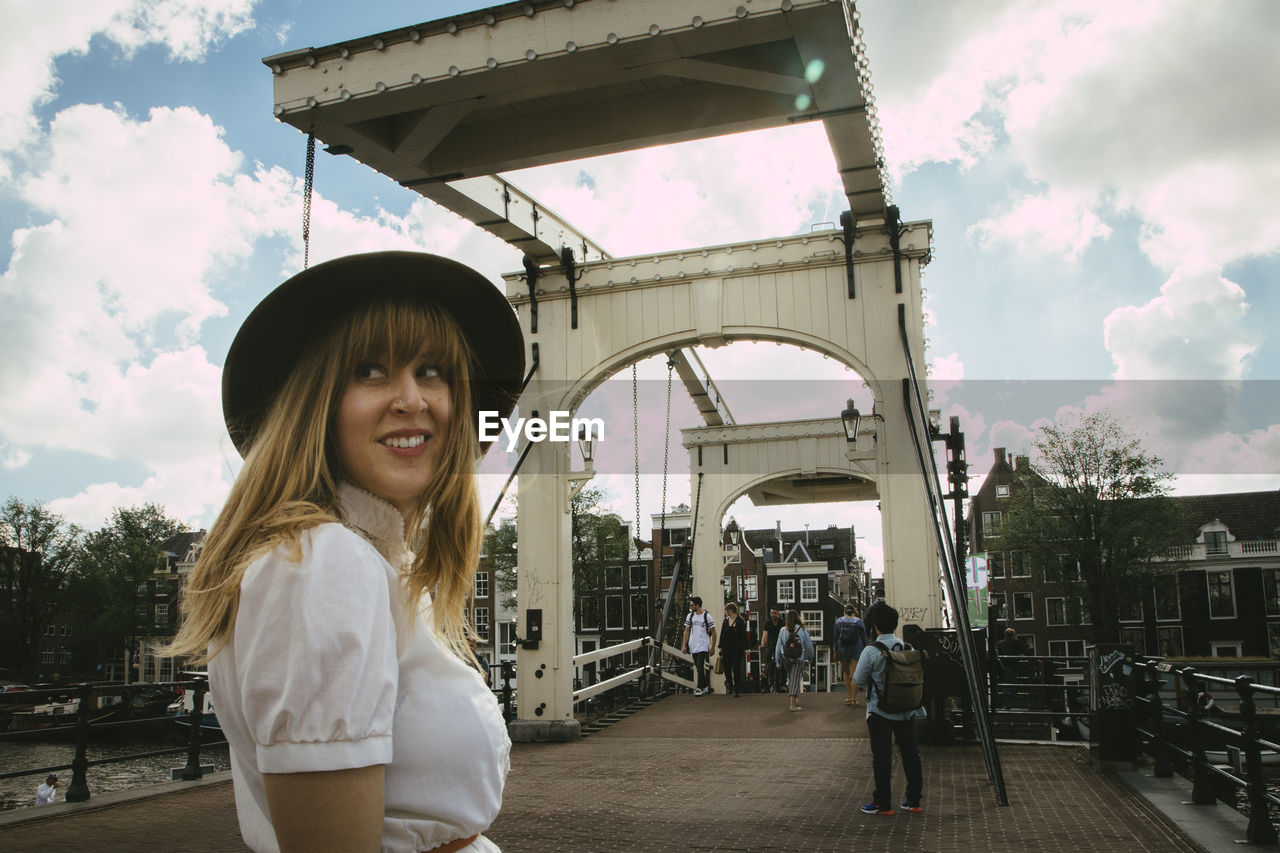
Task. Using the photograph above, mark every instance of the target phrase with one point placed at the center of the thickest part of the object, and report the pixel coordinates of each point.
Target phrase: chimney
(1000, 457)
(1021, 462)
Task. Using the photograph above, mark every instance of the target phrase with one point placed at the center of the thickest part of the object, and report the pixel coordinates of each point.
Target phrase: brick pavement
(688, 774)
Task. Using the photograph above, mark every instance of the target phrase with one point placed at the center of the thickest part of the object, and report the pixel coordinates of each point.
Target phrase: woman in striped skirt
(794, 651)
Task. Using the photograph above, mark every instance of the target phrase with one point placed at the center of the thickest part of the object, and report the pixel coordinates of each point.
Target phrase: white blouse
(328, 668)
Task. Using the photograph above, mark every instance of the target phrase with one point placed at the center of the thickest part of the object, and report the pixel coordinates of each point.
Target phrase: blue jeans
(883, 733)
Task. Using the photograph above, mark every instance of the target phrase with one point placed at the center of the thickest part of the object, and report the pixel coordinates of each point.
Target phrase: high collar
(377, 521)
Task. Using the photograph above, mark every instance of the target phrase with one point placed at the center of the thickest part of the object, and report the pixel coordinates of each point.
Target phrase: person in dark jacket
(733, 649)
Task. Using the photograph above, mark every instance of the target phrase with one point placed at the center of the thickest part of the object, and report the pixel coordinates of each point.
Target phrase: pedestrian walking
(769, 632)
(330, 598)
(885, 726)
(850, 640)
(792, 654)
(733, 650)
(699, 640)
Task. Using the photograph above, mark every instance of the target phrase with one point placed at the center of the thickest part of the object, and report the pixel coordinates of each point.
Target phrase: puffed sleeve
(315, 652)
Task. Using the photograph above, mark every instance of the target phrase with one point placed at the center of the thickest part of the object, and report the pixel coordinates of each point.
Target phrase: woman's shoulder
(323, 547)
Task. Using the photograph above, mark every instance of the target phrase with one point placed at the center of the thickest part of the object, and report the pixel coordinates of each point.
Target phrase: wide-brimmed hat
(306, 306)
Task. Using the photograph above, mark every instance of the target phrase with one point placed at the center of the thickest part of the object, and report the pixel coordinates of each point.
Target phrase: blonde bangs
(399, 332)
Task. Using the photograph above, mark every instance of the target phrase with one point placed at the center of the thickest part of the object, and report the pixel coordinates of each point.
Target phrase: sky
(1101, 179)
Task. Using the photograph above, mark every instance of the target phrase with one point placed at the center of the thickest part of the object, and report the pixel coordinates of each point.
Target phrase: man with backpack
(699, 640)
(851, 639)
(893, 675)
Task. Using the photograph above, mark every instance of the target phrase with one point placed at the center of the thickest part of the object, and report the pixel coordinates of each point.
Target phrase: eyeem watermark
(560, 427)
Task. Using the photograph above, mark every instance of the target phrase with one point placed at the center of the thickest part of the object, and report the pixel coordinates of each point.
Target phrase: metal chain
(307, 182)
(666, 446)
(635, 435)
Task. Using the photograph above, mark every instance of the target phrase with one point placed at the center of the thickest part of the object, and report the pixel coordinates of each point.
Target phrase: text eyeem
(559, 427)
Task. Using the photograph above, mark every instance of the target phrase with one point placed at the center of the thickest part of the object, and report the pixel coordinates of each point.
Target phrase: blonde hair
(271, 504)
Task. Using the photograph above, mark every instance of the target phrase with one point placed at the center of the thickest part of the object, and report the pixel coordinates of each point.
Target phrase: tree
(1093, 499)
(40, 550)
(500, 553)
(112, 590)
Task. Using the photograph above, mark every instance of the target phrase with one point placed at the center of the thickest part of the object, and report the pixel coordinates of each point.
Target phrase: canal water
(104, 778)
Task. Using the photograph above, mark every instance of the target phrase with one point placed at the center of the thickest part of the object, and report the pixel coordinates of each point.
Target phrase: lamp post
(850, 418)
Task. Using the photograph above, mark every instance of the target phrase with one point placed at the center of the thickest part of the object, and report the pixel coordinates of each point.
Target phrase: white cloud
(722, 190)
(1053, 224)
(103, 304)
(34, 35)
(1141, 108)
(947, 368)
(1193, 329)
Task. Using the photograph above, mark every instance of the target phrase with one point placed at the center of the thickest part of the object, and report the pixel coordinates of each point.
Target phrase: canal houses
(1215, 593)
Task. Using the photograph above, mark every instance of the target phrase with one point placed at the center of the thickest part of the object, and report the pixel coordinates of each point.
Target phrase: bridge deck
(712, 773)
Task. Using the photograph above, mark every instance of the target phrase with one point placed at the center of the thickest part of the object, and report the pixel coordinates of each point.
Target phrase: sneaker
(910, 809)
(697, 691)
(873, 809)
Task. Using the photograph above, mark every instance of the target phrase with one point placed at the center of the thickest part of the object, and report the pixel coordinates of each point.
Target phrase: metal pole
(78, 791)
(192, 771)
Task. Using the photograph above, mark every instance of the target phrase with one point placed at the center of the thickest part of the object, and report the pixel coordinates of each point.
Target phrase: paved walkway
(708, 773)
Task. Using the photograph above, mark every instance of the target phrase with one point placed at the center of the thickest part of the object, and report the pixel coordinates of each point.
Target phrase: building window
(50, 630)
(1273, 638)
(482, 585)
(1002, 491)
(812, 620)
(1019, 565)
(1028, 640)
(1130, 603)
(66, 630)
(995, 565)
(1068, 568)
(997, 599)
(588, 613)
(991, 524)
(613, 613)
(1066, 648)
(1215, 543)
(639, 610)
(162, 614)
(1271, 591)
(786, 591)
(1225, 650)
(613, 577)
(46, 656)
(639, 576)
(1023, 606)
(506, 638)
(1168, 605)
(482, 623)
(1222, 599)
(808, 589)
(748, 588)
(1169, 639)
(677, 537)
(1055, 611)
(1135, 637)
(64, 655)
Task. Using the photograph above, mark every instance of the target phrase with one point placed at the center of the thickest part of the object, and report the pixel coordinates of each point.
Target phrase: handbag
(719, 665)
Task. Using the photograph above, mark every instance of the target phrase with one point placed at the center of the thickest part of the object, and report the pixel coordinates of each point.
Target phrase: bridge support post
(544, 660)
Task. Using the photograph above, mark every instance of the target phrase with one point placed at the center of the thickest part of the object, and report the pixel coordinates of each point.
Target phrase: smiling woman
(353, 718)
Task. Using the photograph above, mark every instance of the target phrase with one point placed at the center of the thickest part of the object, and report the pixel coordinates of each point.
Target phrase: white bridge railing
(619, 680)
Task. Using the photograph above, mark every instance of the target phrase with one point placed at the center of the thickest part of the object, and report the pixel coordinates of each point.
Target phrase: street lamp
(578, 479)
(850, 418)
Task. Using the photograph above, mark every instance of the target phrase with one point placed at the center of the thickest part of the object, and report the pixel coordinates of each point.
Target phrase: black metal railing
(502, 681)
(84, 728)
(1181, 738)
(1039, 689)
